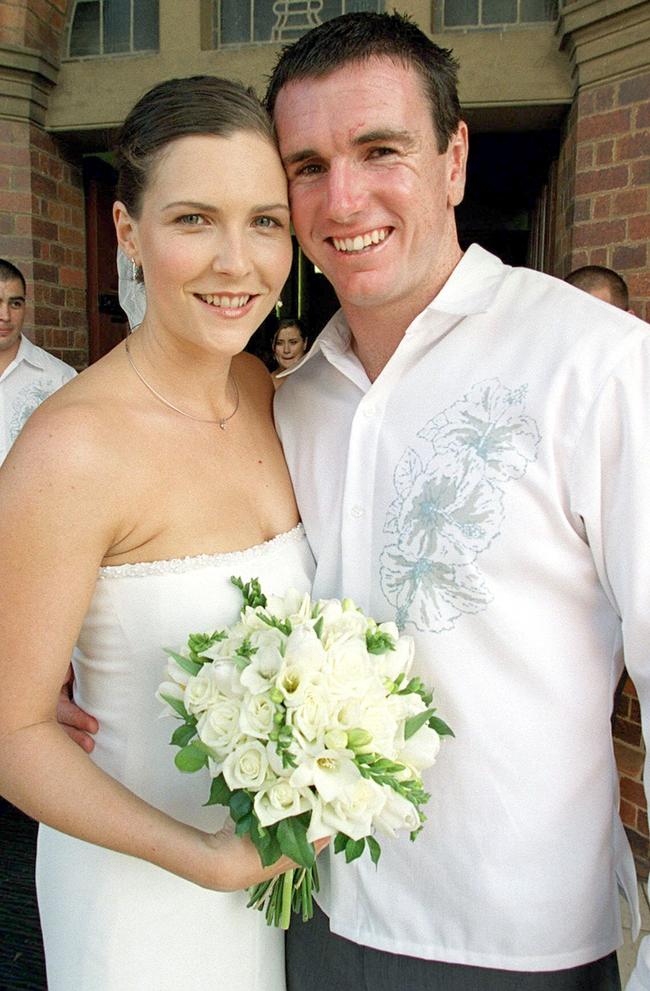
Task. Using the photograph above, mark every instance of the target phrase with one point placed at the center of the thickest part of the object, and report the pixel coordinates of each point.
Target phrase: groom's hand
(78, 724)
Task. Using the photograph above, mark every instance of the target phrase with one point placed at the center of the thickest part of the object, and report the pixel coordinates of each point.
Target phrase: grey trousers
(317, 960)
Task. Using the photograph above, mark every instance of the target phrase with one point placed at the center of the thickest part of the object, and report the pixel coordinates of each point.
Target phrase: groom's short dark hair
(362, 36)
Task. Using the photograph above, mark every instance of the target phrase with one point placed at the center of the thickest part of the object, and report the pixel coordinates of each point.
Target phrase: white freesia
(246, 766)
(352, 811)
(329, 772)
(218, 726)
(279, 800)
(260, 674)
(294, 606)
(397, 813)
(256, 716)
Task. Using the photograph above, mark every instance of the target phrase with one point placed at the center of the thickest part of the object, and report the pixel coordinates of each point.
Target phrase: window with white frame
(113, 27)
(241, 22)
(493, 13)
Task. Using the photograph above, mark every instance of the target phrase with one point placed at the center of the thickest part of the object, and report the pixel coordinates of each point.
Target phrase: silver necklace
(222, 422)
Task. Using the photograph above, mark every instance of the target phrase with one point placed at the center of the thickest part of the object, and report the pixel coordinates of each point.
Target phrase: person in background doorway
(28, 374)
(289, 345)
(603, 283)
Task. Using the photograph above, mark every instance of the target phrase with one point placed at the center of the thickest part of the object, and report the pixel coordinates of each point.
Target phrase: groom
(468, 447)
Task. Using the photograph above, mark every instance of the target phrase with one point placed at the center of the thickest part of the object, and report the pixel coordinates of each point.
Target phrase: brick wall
(34, 24)
(608, 138)
(602, 217)
(42, 232)
(630, 754)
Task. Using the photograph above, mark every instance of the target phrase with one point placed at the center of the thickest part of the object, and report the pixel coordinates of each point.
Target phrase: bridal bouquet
(307, 719)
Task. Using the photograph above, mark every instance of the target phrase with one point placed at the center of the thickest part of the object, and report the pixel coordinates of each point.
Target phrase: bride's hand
(239, 864)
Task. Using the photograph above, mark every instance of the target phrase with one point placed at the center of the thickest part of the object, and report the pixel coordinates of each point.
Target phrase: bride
(128, 501)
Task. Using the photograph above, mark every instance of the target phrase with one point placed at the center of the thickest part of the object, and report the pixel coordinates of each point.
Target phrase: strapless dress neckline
(191, 562)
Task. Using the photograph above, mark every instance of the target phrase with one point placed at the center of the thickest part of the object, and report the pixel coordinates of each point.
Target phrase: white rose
(397, 813)
(280, 801)
(256, 716)
(351, 812)
(314, 715)
(420, 750)
(246, 766)
(351, 674)
(218, 727)
(350, 624)
(202, 690)
(304, 648)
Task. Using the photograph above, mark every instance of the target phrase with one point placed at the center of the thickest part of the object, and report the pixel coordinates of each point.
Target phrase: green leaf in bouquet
(240, 804)
(417, 687)
(191, 758)
(378, 642)
(292, 837)
(252, 593)
(204, 748)
(182, 736)
(318, 627)
(354, 849)
(283, 625)
(244, 653)
(339, 842)
(440, 727)
(414, 723)
(186, 663)
(266, 843)
(200, 642)
(244, 825)
(177, 706)
(220, 793)
(373, 849)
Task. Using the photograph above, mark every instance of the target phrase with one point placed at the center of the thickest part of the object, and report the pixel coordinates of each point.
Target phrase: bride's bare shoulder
(78, 429)
(253, 377)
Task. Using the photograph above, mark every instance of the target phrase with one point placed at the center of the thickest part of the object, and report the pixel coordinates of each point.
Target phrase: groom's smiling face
(372, 197)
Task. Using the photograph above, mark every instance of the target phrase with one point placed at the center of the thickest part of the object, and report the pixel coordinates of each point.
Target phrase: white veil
(132, 294)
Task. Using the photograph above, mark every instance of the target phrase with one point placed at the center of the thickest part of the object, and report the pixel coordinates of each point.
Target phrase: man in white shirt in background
(468, 445)
(28, 374)
(603, 283)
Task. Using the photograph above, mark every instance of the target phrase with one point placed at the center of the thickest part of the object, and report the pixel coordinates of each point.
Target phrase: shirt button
(357, 512)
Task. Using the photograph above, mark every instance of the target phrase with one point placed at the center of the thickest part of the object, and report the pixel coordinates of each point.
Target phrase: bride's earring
(134, 270)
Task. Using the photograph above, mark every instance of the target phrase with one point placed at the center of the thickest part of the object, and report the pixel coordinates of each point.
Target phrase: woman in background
(289, 345)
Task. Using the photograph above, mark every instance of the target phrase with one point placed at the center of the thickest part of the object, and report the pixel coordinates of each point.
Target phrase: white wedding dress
(112, 922)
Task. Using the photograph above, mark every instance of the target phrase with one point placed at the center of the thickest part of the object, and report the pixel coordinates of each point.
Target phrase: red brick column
(42, 232)
(611, 143)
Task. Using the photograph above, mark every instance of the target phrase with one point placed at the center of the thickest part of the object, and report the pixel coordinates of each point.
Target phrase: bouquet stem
(292, 890)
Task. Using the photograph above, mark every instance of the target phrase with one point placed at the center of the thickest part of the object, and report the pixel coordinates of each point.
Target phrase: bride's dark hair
(176, 109)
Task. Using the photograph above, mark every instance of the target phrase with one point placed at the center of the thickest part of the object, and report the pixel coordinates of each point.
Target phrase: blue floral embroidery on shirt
(26, 402)
(449, 505)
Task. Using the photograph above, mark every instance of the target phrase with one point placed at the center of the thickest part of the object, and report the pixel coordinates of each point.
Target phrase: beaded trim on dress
(181, 564)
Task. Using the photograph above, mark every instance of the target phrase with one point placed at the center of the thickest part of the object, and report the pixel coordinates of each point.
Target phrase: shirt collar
(30, 353)
(471, 288)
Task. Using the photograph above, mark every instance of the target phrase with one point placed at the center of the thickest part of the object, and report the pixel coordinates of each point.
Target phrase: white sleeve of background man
(611, 491)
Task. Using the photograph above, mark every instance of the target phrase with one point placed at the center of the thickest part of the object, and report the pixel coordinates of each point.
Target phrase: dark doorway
(107, 322)
(506, 175)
